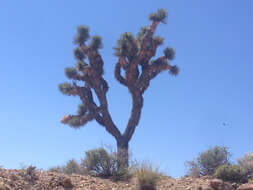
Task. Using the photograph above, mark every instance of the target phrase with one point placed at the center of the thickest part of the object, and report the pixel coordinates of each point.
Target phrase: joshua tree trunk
(122, 152)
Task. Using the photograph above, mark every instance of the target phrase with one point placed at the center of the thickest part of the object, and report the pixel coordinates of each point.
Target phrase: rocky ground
(32, 179)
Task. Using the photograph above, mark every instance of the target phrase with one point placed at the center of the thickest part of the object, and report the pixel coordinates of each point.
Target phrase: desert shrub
(208, 161)
(246, 163)
(57, 169)
(231, 173)
(72, 166)
(122, 174)
(193, 168)
(147, 177)
(100, 163)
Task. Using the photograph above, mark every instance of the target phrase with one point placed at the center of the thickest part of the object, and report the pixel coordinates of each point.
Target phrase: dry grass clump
(147, 177)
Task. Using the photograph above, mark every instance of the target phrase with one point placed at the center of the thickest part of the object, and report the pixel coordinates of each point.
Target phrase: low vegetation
(97, 162)
(71, 167)
(216, 162)
(246, 163)
(147, 177)
(101, 163)
(231, 173)
(208, 161)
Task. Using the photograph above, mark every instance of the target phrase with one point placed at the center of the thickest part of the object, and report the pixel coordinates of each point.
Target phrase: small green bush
(208, 161)
(100, 163)
(57, 169)
(97, 162)
(72, 166)
(147, 177)
(231, 173)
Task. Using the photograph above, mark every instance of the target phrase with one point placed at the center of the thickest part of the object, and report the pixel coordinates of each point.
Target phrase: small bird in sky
(225, 124)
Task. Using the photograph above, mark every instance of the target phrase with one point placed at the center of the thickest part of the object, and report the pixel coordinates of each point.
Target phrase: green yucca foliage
(142, 32)
(71, 72)
(159, 16)
(78, 54)
(96, 43)
(169, 53)
(126, 46)
(65, 88)
(82, 34)
(75, 122)
(81, 109)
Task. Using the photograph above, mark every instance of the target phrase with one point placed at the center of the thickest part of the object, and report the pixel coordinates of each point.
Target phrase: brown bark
(122, 152)
(137, 105)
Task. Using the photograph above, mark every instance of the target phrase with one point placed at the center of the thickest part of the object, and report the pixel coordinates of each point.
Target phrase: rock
(66, 183)
(4, 187)
(217, 184)
(235, 185)
(246, 186)
(228, 186)
(206, 187)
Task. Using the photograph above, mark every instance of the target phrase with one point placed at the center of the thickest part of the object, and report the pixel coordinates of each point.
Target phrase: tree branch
(109, 124)
(117, 74)
(98, 83)
(137, 104)
(87, 99)
(151, 72)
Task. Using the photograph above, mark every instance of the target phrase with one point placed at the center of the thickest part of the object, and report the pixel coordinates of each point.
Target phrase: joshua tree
(134, 58)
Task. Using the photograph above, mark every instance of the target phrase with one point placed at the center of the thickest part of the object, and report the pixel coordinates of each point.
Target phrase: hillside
(31, 179)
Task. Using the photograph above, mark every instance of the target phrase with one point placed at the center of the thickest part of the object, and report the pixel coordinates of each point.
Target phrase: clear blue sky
(181, 117)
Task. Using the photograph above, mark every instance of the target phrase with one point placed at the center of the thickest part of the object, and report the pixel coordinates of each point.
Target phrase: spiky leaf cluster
(81, 109)
(126, 45)
(82, 34)
(78, 53)
(169, 53)
(96, 43)
(174, 70)
(142, 33)
(159, 16)
(65, 88)
(71, 72)
(75, 122)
